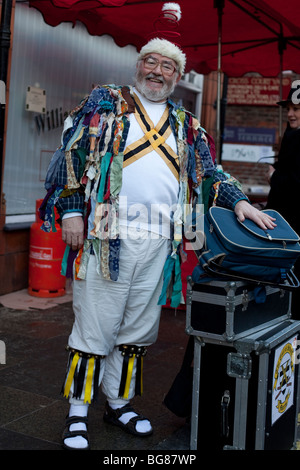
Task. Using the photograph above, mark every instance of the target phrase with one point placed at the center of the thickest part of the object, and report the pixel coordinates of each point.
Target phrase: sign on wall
(36, 100)
(248, 153)
(256, 91)
(250, 135)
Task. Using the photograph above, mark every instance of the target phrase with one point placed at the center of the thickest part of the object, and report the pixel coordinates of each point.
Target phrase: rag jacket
(85, 176)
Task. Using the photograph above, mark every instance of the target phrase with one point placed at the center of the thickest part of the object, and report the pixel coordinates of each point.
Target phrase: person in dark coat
(284, 177)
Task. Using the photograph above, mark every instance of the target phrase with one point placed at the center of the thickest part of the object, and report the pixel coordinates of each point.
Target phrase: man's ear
(178, 78)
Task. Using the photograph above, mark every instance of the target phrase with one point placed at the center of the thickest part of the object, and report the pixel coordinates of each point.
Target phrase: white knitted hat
(169, 18)
(165, 48)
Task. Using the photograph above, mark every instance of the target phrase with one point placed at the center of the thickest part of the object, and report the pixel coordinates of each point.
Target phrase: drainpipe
(4, 52)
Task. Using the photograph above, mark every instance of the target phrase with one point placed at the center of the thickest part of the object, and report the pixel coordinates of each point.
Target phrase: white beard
(154, 95)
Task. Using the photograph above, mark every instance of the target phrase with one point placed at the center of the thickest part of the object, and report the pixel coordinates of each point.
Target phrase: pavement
(32, 411)
(34, 332)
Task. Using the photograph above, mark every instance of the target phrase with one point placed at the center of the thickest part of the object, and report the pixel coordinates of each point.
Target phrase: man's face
(156, 76)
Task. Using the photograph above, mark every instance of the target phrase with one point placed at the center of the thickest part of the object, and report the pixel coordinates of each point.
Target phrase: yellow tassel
(89, 381)
(71, 375)
(129, 374)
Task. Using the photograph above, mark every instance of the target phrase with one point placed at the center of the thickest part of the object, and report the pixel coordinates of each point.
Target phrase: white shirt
(149, 190)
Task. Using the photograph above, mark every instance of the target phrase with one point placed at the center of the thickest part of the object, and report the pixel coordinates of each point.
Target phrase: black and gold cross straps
(154, 139)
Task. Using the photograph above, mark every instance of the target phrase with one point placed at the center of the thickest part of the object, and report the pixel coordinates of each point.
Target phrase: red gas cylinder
(46, 251)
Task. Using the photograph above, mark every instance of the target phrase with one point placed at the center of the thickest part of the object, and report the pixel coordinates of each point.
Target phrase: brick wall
(247, 173)
(254, 116)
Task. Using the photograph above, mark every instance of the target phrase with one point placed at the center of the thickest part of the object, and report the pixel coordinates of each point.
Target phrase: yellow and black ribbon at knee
(83, 372)
(71, 369)
(139, 373)
(131, 354)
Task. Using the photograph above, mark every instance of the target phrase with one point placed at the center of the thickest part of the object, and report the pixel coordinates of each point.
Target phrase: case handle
(224, 414)
(291, 284)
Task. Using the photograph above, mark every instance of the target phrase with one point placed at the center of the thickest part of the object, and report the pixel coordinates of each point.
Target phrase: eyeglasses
(151, 63)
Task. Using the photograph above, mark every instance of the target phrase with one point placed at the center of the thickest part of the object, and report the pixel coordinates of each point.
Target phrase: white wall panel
(66, 62)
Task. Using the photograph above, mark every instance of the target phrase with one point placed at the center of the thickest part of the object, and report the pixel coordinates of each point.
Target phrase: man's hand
(244, 210)
(72, 232)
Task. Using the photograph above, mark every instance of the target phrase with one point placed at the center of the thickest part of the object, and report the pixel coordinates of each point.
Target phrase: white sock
(141, 426)
(77, 442)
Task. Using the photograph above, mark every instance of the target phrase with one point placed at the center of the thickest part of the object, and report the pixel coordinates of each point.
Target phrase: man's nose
(160, 68)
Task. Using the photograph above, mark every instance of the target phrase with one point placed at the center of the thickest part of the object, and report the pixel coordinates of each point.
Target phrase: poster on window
(283, 378)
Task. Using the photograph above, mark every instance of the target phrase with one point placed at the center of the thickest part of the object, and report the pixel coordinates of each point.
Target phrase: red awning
(253, 31)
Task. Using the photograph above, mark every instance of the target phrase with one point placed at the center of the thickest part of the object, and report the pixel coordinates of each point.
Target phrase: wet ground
(32, 411)
(35, 332)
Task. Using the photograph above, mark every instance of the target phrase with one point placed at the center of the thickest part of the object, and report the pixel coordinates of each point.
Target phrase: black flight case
(246, 371)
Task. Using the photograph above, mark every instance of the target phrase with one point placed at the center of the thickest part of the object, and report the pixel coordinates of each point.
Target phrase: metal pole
(280, 98)
(281, 48)
(223, 113)
(219, 4)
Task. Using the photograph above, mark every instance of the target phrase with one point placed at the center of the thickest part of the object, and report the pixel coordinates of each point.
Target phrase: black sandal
(67, 433)
(112, 417)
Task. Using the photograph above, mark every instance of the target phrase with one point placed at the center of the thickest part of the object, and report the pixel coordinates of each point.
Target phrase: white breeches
(113, 313)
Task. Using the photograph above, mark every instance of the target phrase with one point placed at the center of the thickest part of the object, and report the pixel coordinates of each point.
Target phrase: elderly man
(130, 161)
